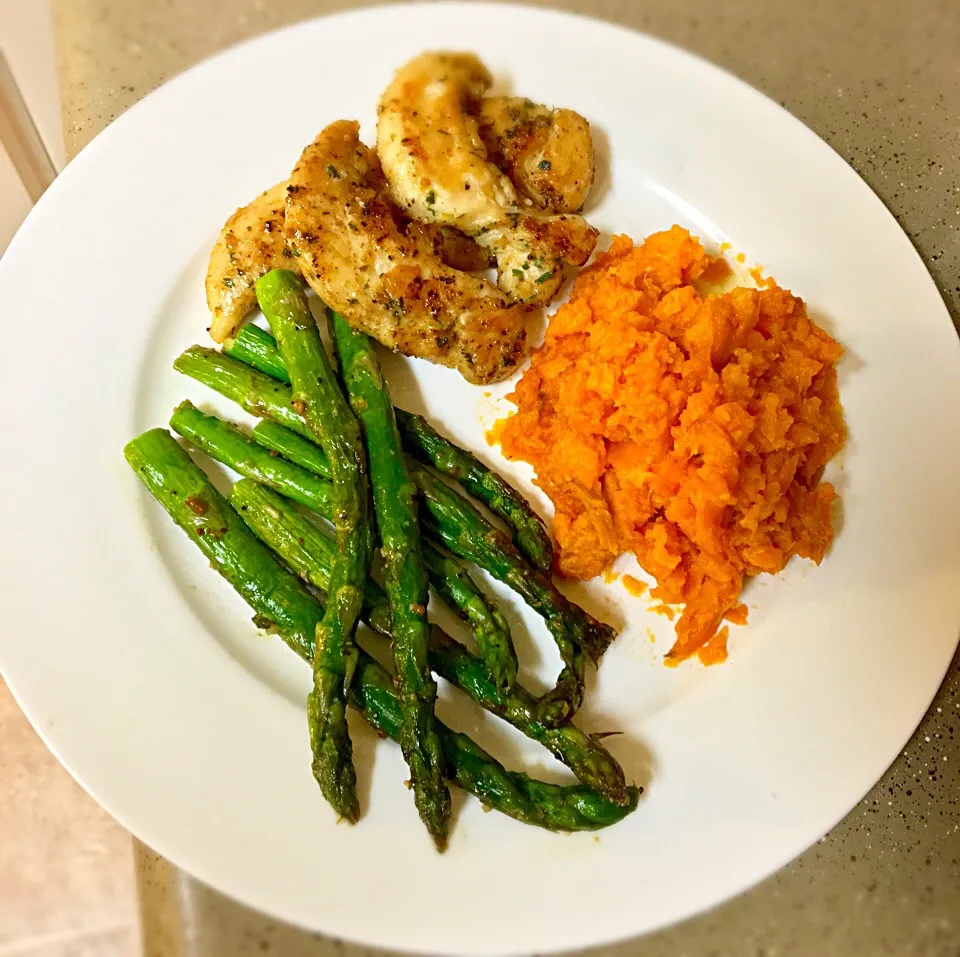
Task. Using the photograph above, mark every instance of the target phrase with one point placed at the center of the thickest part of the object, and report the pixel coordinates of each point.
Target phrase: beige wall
(26, 38)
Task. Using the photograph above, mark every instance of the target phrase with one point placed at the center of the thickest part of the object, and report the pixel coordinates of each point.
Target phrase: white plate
(141, 670)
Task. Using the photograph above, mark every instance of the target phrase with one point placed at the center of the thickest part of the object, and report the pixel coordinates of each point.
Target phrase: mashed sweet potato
(690, 429)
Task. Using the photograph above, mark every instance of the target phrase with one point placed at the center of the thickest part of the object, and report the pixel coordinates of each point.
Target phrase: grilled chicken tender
(250, 245)
(548, 154)
(438, 172)
(253, 242)
(354, 255)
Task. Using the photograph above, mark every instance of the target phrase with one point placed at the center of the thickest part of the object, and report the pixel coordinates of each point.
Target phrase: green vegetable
(232, 446)
(551, 806)
(317, 397)
(310, 552)
(463, 530)
(587, 758)
(275, 595)
(306, 548)
(529, 533)
(448, 576)
(295, 448)
(258, 348)
(454, 585)
(395, 505)
(211, 523)
(254, 392)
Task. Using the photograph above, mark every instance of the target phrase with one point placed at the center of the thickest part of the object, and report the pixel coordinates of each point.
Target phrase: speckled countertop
(880, 81)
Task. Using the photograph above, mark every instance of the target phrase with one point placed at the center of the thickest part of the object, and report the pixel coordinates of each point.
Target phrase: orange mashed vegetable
(688, 428)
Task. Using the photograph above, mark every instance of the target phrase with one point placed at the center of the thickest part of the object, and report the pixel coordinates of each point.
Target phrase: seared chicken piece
(354, 255)
(438, 172)
(548, 154)
(251, 244)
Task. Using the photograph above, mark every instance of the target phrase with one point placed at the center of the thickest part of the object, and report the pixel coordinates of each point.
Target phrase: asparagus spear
(301, 451)
(310, 552)
(305, 548)
(462, 529)
(551, 806)
(230, 445)
(198, 508)
(317, 397)
(449, 579)
(279, 599)
(258, 348)
(454, 585)
(253, 391)
(528, 532)
(395, 506)
(462, 522)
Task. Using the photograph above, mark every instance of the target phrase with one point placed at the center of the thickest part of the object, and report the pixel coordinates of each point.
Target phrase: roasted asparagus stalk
(310, 551)
(316, 396)
(279, 600)
(256, 347)
(395, 507)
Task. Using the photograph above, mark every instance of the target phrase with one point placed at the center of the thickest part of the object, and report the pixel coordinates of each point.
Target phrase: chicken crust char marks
(352, 252)
(439, 172)
(450, 246)
(547, 154)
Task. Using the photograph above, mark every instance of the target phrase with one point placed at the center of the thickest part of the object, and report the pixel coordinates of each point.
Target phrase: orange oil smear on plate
(689, 429)
(633, 585)
(492, 435)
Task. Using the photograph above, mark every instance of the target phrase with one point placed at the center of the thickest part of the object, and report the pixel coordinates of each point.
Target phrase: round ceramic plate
(141, 668)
